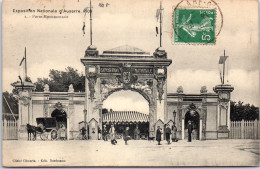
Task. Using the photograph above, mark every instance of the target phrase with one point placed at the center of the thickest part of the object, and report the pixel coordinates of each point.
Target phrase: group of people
(172, 131)
(112, 134)
(168, 132)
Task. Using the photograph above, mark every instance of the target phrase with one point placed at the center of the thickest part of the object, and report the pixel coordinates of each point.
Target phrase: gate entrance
(126, 109)
(194, 117)
(126, 68)
(137, 122)
(60, 116)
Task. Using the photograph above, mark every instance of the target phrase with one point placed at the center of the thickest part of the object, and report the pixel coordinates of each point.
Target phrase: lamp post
(85, 117)
(174, 115)
(85, 122)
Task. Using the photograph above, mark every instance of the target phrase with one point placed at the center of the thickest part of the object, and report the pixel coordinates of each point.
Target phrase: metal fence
(244, 129)
(9, 130)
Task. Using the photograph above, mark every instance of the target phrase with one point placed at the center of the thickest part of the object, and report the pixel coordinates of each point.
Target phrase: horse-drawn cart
(47, 126)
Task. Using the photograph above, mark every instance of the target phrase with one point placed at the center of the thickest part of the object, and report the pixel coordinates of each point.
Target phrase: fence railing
(244, 129)
(238, 129)
(10, 130)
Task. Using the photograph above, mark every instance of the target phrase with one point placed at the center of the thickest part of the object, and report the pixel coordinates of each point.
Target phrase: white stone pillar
(160, 110)
(218, 118)
(68, 128)
(228, 116)
(182, 130)
(200, 129)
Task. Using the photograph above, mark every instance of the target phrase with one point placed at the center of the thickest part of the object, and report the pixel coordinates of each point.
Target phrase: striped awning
(125, 116)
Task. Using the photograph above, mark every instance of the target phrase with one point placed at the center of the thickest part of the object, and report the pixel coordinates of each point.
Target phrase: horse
(31, 130)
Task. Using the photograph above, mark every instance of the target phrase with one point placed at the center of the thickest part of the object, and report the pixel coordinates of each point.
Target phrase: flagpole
(90, 18)
(224, 70)
(160, 23)
(25, 63)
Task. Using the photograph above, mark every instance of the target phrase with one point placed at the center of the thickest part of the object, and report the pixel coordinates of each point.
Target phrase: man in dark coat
(83, 133)
(189, 131)
(158, 135)
(168, 133)
(136, 133)
(174, 133)
(104, 133)
(126, 135)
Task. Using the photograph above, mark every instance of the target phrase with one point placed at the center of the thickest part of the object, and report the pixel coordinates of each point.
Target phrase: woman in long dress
(112, 135)
(159, 135)
(174, 133)
(126, 135)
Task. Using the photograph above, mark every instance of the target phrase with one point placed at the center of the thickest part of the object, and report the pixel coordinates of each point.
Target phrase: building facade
(128, 68)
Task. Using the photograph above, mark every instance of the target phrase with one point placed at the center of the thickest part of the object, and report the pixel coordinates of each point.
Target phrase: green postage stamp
(194, 26)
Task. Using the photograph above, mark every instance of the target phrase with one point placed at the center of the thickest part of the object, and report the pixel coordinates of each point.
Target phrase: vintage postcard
(112, 83)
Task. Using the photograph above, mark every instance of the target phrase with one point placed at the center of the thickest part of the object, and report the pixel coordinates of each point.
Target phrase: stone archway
(126, 68)
(142, 86)
(194, 117)
(59, 111)
(61, 117)
(121, 111)
(199, 118)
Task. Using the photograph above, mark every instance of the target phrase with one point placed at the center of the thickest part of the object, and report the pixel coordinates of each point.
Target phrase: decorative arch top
(142, 86)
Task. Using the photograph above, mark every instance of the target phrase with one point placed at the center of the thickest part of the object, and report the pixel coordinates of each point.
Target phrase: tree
(12, 100)
(239, 111)
(59, 81)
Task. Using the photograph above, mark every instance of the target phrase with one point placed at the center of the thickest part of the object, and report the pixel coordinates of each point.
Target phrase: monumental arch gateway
(125, 68)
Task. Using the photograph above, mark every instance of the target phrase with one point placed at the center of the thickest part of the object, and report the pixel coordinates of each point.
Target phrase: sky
(58, 43)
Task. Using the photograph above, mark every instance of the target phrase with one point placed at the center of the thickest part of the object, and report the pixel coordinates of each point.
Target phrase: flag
(83, 28)
(22, 61)
(20, 79)
(156, 30)
(85, 10)
(22, 68)
(222, 59)
(22, 82)
(157, 14)
(220, 76)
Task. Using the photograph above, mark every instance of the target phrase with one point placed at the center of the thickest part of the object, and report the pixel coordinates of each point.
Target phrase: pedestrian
(126, 135)
(99, 133)
(189, 131)
(159, 135)
(168, 133)
(62, 132)
(136, 133)
(104, 133)
(174, 133)
(112, 135)
(83, 133)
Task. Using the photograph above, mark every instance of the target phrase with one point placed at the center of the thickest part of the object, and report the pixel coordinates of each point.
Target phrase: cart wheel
(44, 136)
(54, 134)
